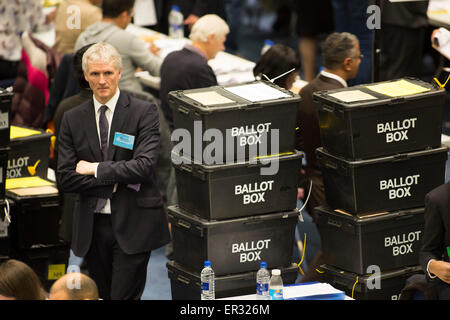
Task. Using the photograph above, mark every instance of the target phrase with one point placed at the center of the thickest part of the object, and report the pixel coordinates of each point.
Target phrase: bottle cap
(175, 7)
(276, 272)
(268, 42)
(207, 263)
(263, 264)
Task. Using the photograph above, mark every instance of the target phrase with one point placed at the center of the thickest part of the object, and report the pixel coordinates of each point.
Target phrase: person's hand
(154, 49)
(441, 269)
(190, 20)
(433, 41)
(86, 168)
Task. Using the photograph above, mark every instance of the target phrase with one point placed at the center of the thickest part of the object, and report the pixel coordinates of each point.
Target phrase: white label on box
(399, 187)
(396, 130)
(4, 120)
(250, 251)
(402, 243)
(253, 192)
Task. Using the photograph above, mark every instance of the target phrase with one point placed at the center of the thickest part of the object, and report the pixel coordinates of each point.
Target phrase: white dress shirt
(335, 77)
(111, 104)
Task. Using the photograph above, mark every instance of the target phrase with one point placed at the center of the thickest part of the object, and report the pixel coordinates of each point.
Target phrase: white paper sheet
(257, 92)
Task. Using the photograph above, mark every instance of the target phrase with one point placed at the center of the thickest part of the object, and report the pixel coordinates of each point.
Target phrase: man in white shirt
(107, 150)
(341, 60)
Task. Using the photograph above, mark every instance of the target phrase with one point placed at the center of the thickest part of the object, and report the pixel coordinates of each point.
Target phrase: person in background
(188, 68)
(72, 18)
(351, 16)
(276, 61)
(74, 286)
(315, 18)
(402, 38)
(435, 250)
(15, 18)
(117, 14)
(341, 60)
(19, 282)
(107, 152)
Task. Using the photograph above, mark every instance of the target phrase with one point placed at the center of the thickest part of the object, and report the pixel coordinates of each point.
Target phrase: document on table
(397, 88)
(257, 92)
(352, 96)
(209, 98)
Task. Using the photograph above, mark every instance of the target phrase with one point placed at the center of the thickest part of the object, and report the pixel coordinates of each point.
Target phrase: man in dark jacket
(188, 68)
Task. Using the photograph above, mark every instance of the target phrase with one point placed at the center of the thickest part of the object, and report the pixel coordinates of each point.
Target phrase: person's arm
(433, 240)
(68, 179)
(145, 153)
(143, 58)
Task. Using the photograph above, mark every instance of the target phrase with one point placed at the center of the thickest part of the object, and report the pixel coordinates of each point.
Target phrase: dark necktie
(103, 126)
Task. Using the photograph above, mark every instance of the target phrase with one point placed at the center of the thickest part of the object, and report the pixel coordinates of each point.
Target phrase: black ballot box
(233, 245)
(5, 117)
(229, 191)
(389, 240)
(36, 213)
(384, 285)
(387, 183)
(237, 122)
(379, 119)
(29, 153)
(49, 262)
(186, 285)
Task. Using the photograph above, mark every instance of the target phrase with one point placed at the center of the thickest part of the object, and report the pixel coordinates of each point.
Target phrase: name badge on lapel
(123, 140)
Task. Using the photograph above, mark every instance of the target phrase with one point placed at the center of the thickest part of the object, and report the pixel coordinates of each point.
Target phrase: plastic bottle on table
(262, 282)
(176, 27)
(207, 280)
(276, 285)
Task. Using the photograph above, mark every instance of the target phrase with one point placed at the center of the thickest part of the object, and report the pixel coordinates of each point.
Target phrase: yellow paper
(27, 182)
(19, 132)
(56, 271)
(397, 88)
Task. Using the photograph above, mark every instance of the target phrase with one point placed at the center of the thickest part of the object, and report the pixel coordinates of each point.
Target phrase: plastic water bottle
(176, 27)
(267, 45)
(276, 285)
(207, 280)
(262, 282)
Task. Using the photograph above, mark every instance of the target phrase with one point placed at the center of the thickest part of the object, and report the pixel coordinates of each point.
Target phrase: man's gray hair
(104, 52)
(207, 25)
(336, 48)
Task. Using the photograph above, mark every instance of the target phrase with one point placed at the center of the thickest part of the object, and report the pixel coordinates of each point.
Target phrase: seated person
(188, 68)
(19, 282)
(74, 286)
(277, 60)
(435, 251)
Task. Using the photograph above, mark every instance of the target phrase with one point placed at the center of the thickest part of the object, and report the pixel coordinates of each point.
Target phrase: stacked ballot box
(31, 236)
(381, 154)
(236, 169)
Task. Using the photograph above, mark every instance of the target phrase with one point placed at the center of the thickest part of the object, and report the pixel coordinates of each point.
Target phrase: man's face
(356, 61)
(103, 79)
(216, 43)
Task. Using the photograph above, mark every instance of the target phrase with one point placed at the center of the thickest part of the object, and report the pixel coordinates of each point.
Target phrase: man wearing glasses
(341, 60)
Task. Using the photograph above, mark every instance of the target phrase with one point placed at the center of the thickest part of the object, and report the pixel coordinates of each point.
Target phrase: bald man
(74, 286)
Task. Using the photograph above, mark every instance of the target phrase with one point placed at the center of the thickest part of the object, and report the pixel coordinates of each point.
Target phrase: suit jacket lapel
(91, 131)
(120, 114)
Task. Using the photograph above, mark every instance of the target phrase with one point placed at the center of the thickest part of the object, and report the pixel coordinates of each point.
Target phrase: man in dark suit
(188, 68)
(435, 251)
(108, 147)
(341, 59)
